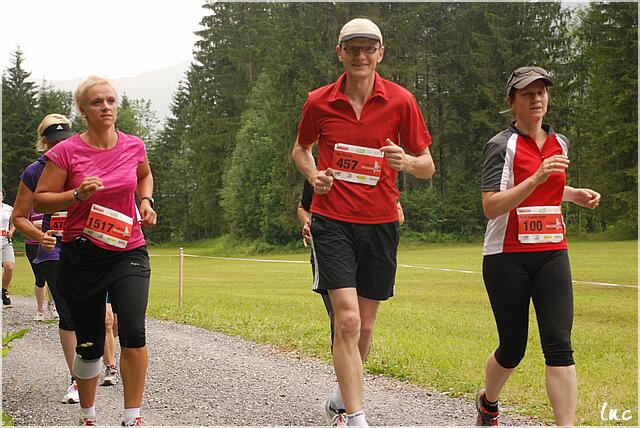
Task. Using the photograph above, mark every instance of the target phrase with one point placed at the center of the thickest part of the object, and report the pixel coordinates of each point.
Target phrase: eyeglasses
(527, 69)
(355, 50)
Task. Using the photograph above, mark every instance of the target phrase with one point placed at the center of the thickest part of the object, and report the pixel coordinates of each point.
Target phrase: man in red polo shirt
(367, 129)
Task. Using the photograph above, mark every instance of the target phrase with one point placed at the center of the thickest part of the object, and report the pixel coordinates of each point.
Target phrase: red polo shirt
(328, 118)
(511, 157)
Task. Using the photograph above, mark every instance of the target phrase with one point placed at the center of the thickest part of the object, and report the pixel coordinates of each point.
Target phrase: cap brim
(58, 136)
(529, 80)
(360, 35)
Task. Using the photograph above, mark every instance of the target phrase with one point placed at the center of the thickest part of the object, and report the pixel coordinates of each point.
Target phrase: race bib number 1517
(108, 226)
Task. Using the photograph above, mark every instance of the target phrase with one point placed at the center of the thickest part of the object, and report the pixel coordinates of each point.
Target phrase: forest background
(222, 163)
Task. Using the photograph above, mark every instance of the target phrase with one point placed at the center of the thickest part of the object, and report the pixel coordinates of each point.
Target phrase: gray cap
(360, 27)
(523, 76)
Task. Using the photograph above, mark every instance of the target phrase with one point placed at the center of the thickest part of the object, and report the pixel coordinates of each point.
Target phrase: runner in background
(52, 129)
(8, 256)
(110, 372)
(304, 217)
(31, 250)
(96, 176)
(525, 248)
(362, 124)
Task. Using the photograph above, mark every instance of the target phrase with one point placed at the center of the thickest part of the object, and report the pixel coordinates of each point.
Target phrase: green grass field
(436, 332)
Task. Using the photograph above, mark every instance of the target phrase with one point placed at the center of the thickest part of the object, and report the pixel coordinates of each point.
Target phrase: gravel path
(197, 377)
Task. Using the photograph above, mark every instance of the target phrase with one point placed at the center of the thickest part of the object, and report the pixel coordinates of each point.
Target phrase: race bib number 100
(540, 225)
(108, 226)
(357, 164)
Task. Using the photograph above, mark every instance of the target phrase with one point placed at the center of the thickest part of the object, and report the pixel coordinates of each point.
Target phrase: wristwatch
(148, 198)
(76, 195)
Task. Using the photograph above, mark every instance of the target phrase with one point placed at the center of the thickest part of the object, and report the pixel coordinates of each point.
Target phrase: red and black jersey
(328, 118)
(510, 157)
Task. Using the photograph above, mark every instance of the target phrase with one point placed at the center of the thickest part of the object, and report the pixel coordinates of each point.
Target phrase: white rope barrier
(182, 255)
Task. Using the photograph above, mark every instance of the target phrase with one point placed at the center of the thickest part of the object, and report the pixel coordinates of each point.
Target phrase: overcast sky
(65, 39)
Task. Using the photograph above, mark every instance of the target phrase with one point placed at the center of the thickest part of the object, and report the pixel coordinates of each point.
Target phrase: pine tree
(174, 181)
(51, 100)
(19, 123)
(609, 44)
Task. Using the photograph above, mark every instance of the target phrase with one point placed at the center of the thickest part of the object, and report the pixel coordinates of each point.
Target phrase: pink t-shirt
(116, 167)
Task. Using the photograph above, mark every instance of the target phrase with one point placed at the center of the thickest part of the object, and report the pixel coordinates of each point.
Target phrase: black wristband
(148, 198)
(76, 195)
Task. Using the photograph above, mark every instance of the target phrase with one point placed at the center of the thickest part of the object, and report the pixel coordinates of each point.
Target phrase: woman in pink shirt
(95, 176)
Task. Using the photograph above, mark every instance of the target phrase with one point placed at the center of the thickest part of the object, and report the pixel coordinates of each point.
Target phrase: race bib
(357, 164)
(57, 222)
(108, 226)
(540, 225)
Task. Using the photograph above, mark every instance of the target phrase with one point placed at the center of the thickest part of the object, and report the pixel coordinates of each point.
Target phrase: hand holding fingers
(396, 157)
(390, 147)
(148, 217)
(557, 163)
(323, 182)
(552, 165)
(306, 233)
(593, 198)
(88, 187)
(92, 182)
(48, 240)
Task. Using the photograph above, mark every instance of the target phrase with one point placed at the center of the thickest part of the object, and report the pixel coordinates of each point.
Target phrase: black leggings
(50, 271)
(31, 250)
(512, 280)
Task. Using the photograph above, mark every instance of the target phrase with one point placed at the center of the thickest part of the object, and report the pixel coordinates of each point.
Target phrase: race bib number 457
(357, 164)
(108, 226)
(540, 224)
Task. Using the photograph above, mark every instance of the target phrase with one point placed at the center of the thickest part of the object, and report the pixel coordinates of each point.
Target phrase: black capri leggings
(31, 250)
(88, 274)
(50, 269)
(512, 280)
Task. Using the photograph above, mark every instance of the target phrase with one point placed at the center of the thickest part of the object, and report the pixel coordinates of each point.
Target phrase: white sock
(336, 399)
(357, 419)
(130, 414)
(89, 412)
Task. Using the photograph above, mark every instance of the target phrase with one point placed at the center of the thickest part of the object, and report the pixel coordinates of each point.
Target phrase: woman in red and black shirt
(525, 251)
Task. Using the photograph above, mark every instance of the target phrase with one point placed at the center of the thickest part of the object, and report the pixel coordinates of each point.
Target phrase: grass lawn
(437, 331)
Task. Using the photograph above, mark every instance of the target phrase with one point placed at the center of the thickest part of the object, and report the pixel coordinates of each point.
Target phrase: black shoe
(485, 417)
(6, 300)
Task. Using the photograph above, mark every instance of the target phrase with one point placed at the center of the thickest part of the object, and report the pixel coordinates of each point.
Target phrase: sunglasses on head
(527, 69)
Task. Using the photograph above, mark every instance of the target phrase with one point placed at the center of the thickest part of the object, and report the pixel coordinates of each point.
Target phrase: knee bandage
(86, 369)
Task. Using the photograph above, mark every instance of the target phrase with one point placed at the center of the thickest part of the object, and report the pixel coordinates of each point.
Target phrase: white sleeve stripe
(564, 145)
(506, 182)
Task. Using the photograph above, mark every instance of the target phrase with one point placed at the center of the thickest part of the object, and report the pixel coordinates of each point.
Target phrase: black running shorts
(87, 274)
(351, 255)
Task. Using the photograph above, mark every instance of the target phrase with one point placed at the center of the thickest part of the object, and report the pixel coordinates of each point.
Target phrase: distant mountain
(157, 86)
